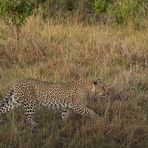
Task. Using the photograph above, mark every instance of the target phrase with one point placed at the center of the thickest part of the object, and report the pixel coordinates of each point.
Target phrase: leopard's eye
(104, 88)
(95, 82)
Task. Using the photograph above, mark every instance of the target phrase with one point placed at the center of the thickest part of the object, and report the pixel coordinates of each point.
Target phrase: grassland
(57, 52)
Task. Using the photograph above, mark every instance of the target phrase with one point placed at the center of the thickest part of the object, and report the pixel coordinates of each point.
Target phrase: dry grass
(56, 52)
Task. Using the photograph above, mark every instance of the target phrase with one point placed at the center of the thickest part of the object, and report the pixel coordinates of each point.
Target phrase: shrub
(123, 11)
(118, 11)
(16, 11)
(102, 5)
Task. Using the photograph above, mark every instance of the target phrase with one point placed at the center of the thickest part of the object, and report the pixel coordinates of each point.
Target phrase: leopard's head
(99, 88)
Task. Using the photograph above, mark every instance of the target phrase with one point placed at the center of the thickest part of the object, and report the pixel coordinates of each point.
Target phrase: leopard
(63, 96)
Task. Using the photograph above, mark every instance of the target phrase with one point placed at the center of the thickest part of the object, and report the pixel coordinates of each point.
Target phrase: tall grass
(57, 52)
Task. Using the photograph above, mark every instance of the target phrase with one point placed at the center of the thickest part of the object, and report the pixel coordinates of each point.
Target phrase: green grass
(58, 52)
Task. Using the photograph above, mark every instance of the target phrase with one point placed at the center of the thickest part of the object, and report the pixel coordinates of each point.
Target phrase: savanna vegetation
(57, 40)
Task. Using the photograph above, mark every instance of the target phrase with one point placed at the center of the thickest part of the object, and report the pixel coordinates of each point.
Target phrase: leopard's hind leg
(29, 103)
(29, 108)
(9, 102)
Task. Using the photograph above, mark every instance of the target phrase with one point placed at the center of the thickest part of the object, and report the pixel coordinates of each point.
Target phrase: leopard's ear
(75, 76)
(95, 82)
(99, 79)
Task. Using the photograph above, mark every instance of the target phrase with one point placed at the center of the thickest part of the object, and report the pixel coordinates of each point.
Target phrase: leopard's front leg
(65, 113)
(83, 110)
